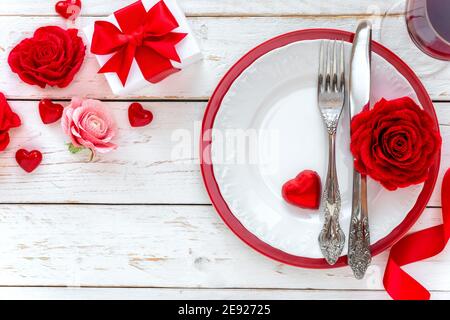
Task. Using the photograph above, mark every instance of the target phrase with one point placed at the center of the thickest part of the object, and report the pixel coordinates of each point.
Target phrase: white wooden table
(138, 224)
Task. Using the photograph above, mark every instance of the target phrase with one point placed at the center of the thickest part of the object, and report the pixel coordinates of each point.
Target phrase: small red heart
(138, 116)
(68, 9)
(304, 191)
(50, 112)
(28, 160)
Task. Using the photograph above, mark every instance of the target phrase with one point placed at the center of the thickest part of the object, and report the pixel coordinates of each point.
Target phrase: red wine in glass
(429, 26)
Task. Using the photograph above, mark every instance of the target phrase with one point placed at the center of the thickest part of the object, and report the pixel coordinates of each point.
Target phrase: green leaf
(74, 149)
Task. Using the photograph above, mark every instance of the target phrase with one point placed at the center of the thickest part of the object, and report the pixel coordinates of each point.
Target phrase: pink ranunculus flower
(89, 124)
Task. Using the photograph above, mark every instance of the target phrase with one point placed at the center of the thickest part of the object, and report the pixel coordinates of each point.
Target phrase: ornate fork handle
(332, 238)
(359, 256)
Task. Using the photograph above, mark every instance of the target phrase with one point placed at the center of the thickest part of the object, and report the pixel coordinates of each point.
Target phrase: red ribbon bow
(144, 36)
(415, 247)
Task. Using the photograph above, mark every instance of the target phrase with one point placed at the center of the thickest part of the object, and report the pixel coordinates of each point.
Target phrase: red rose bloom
(8, 120)
(395, 143)
(51, 57)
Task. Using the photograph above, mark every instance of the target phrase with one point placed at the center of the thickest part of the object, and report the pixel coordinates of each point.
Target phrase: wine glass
(428, 24)
(419, 32)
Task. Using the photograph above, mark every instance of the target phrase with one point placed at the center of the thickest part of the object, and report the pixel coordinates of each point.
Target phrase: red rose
(8, 120)
(395, 143)
(52, 57)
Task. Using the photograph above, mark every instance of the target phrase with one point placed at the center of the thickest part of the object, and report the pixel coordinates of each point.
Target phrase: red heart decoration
(138, 116)
(28, 160)
(304, 191)
(68, 9)
(50, 112)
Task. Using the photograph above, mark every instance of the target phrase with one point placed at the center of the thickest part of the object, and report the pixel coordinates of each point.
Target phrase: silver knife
(359, 256)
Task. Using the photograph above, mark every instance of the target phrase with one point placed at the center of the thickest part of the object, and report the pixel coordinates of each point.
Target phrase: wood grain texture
(148, 167)
(121, 244)
(162, 246)
(216, 7)
(39, 293)
(221, 50)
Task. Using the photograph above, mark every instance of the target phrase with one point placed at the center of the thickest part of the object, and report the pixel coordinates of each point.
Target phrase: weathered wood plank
(221, 49)
(147, 168)
(142, 170)
(39, 293)
(162, 246)
(215, 7)
(167, 246)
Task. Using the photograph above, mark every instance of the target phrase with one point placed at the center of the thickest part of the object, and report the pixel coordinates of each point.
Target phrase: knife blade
(359, 256)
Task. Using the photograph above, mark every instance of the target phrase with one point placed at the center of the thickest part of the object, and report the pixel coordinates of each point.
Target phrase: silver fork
(331, 97)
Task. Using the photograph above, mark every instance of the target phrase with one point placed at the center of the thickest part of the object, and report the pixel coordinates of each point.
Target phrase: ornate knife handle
(359, 256)
(332, 238)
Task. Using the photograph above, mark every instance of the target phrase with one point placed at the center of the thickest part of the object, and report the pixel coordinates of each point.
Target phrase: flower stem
(92, 155)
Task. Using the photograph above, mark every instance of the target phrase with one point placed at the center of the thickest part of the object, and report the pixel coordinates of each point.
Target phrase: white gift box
(187, 49)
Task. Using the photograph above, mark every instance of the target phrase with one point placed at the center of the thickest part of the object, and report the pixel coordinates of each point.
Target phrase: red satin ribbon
(144, 36)
(415, 247)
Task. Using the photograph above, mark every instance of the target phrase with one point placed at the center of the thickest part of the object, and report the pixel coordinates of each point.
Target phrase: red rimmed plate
(262, 127)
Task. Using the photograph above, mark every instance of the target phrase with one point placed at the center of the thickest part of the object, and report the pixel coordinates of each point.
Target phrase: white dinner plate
(263, 127)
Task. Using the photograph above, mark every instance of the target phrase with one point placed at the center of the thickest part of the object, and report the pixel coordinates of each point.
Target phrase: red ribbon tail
(120, 63)
(416, 247)
(154, 67)
(400, 285)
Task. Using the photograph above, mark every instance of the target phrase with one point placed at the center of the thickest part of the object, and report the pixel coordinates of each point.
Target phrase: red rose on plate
(395, 143)
(8, 120)
(51, 57)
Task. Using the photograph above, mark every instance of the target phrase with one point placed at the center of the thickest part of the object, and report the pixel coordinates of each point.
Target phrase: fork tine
(339, 66)
(341, 73)
(321, 67)
(327, 67)
(334, 84)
